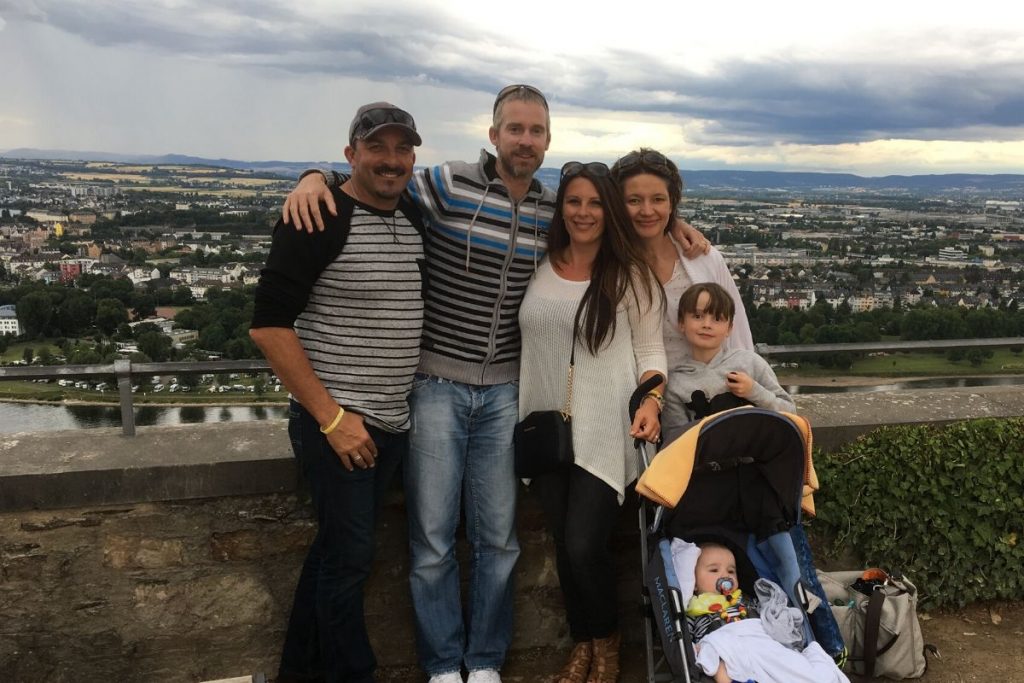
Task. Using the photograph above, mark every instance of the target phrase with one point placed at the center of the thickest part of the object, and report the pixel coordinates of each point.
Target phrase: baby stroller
(739, 477)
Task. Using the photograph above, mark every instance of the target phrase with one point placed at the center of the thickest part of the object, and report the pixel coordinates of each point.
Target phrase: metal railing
(125, 370)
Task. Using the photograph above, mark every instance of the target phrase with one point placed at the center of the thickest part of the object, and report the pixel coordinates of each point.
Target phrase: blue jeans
(326, 638)
(460, 448)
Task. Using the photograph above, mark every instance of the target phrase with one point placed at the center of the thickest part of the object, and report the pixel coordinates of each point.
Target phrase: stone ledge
(101, 467)
(840, 418)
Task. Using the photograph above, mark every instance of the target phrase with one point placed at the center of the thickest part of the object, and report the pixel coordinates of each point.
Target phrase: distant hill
(699, 182)
(786, 182)
(830, 182)
(285, 168)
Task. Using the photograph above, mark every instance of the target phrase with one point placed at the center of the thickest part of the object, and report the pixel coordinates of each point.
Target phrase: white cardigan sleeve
(645, 323)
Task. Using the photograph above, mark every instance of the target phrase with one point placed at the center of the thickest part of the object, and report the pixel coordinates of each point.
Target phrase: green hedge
(943, 504)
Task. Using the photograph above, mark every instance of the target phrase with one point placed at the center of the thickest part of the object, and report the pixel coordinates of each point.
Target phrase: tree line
(825, 324)
(88, 317)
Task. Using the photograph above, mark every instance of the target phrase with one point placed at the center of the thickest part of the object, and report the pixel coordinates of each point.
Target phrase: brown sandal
(604, 668)
(578, 666)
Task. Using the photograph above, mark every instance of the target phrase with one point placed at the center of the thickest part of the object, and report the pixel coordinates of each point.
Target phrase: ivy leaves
(944, 505)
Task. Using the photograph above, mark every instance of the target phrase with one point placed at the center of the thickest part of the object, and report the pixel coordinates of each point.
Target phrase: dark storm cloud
(741, 102)
(816, 103)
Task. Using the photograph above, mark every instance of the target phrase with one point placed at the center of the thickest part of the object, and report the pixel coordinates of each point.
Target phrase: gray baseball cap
(379, 115)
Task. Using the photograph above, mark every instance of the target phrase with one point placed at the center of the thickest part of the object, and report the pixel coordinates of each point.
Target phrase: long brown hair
(619, 263)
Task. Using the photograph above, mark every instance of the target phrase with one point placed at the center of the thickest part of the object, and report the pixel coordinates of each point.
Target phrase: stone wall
(171, 556)
(200, 589)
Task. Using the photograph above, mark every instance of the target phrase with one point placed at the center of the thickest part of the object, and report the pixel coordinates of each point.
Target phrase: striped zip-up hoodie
(482, 248)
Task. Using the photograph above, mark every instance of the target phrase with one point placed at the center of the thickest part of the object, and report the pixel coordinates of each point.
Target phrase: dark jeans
(326, 639)
(581, 511)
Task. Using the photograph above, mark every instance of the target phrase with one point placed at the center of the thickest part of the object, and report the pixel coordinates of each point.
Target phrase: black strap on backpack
(872, 622)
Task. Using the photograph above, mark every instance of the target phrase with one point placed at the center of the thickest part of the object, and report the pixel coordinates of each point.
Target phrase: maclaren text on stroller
(739, 477)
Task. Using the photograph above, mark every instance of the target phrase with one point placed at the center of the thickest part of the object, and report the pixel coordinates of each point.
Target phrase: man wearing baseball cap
(338, 315)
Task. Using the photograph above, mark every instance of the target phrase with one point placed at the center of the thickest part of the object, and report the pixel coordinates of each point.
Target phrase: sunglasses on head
(647, 158)
(594, 168)
(375, 117)
(509, 89)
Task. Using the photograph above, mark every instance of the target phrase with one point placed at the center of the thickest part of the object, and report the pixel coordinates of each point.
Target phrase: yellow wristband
(334, 423)
(657, 398)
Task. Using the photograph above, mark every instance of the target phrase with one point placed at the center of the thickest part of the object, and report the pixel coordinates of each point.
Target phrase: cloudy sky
(869, 87)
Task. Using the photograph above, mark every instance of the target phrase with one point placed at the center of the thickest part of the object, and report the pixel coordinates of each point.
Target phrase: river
(39, 417)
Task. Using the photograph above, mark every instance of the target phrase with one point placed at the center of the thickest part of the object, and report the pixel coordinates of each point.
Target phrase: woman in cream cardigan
(594, 273)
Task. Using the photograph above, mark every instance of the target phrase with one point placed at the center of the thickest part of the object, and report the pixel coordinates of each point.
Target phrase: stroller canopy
(744, 469)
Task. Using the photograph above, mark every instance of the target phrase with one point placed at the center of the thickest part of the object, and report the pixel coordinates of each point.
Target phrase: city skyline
(891, 88)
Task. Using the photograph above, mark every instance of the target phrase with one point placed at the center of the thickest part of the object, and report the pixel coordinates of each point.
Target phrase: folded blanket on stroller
(750, 654)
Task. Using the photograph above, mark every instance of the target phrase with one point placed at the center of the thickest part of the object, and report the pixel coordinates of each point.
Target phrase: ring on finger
(357, 457)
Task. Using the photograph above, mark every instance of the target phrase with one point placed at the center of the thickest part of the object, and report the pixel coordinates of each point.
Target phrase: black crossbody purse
(543, 439)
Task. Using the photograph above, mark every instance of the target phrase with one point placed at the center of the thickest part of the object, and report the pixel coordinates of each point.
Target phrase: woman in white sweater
(595, 274)
(652, 189)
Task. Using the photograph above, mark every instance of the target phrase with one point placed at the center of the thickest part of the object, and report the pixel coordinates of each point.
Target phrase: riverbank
(51, 394)
(810, 380)
(26, 392)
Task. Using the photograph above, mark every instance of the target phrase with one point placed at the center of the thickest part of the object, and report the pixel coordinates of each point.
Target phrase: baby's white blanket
(750, 654)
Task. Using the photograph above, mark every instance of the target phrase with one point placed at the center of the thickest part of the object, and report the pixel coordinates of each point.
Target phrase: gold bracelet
(657, 399)
(334, 423)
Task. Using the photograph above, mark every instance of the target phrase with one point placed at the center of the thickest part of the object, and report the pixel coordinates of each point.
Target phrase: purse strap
(567, 410)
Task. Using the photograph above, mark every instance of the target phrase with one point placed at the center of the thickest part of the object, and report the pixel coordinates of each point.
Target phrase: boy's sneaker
(451, 677)
(484, 676)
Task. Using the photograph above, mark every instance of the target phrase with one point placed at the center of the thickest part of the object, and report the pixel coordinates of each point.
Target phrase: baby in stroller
(733, 641)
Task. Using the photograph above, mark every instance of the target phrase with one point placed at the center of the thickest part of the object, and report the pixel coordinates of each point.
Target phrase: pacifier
(725, 585)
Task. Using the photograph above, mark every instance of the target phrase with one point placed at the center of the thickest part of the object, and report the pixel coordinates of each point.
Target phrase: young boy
(731, 643)
(712, 380)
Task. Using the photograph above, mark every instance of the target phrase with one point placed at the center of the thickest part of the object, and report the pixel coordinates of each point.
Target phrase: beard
(519, 168)
(388, 182)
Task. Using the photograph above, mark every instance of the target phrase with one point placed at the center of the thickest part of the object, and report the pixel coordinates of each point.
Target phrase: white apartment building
(9, 320)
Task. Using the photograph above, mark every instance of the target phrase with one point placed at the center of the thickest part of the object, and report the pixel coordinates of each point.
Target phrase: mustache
(384, 168)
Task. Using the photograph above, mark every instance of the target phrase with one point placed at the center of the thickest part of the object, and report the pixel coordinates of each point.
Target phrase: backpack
(877, 615)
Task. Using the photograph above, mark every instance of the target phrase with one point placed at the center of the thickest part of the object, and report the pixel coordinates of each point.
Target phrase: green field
(15, 351)
(916, 364)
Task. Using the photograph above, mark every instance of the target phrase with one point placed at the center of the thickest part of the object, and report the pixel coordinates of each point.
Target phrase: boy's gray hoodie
(692, 375)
